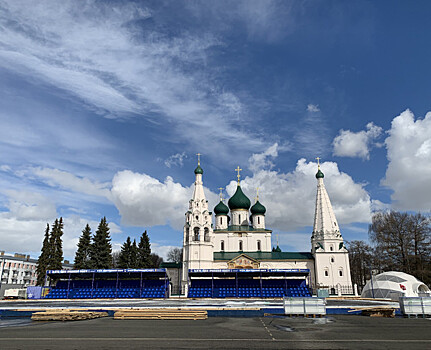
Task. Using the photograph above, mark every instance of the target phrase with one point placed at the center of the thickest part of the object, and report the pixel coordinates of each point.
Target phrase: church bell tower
(331, 257)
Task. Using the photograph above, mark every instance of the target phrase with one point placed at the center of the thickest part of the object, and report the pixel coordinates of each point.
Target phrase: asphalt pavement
(338, 332)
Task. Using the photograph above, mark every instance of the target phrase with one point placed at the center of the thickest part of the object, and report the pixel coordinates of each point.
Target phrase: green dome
(239, 200)
(319, 175)
(221, 209)
(199, 170)
(258, 208)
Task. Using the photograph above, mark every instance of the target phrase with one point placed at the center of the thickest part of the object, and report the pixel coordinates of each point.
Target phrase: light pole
(371, 279)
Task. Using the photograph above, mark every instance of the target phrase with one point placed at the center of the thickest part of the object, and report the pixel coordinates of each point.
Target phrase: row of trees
(399, 241)
(94, 251)
(51, 256)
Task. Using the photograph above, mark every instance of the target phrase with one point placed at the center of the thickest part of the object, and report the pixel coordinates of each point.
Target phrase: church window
(240, 246)
(222, 246)
(331, 248)
(197, 217)
(258, 246)
(206, 234)
(332, 259)
(221, 221)
(258, 220)
(196, 234)
(326, 273)
(341, 273)
(335, 224)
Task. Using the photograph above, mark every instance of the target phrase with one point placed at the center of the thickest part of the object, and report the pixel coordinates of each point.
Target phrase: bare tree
(175, 255)
(155, 260)
(402, 242)
(361, 261)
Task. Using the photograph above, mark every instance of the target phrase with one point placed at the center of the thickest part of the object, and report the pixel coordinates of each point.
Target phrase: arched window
(240, 246)
(331, 248)
(332, 259)
(258, 246)
(197, 217)
(196, 234)
(206, 234)
(239, 219)
(187, 234)
(340, 272)
(258, 220)
(222, 246)
(221, 221)
(326, 273)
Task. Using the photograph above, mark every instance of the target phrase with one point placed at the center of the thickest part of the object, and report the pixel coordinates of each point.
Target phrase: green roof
(319, 174)
(169, 264)
(199, 170)
(239, 200)
(258, 208)
(264, 255)
(237, 228)
(221, 209)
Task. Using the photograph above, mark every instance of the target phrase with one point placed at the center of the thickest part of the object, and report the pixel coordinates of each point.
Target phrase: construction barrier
(304, 306)
(416, 306)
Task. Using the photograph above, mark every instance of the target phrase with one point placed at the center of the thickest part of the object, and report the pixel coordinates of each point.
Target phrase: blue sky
(105, 104)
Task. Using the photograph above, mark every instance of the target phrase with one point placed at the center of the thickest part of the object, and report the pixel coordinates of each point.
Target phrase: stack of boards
(161, 314)
(67, 315)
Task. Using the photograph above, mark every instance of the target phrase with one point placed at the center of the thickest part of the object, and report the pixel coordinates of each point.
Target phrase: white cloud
(145, 201)
(29, 206)
(313, 108)
(176, 159)
(72, 182)
(409, 154)
(356, 144)
(96, 53)
(263, 160)
(290, 197)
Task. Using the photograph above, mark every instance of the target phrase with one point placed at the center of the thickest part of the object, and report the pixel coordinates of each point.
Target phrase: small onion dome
(239, 200)
(199, 170)
(221, 209)
(319, 174)
(258, 208)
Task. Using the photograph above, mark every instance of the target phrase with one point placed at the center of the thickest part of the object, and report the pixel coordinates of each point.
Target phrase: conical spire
(325, 221)
(198, 192)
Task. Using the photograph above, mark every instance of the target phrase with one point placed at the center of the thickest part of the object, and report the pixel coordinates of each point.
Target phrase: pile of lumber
(161, 314)
(66, 315)
(378, 311)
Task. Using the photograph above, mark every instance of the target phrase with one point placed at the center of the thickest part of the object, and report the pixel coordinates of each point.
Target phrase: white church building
(234, 256)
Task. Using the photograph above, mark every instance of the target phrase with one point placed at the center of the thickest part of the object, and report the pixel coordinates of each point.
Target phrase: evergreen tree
(134, 255)
(144, 252)
(56, 246)
(43, 260)
(125, 253)
(101, 249)
(82, 256)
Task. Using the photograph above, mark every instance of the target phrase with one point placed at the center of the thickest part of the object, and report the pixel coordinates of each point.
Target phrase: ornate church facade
(239, 239)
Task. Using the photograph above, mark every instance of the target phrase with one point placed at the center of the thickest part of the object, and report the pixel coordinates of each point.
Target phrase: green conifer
(124, 258)
(43, 260)
(134, 256)
(144, 252)
(82, 256)
(101, 249)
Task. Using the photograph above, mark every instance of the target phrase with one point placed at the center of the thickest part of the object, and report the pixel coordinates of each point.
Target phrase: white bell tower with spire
(198, 233)
(331, 257)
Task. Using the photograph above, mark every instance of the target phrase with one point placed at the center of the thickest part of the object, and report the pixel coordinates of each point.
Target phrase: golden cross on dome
(221, 193)
(257, 194)
(199, 158)
(238, 170)
(318, 162)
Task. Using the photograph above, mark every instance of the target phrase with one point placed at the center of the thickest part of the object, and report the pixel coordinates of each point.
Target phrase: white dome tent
(394, 284)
